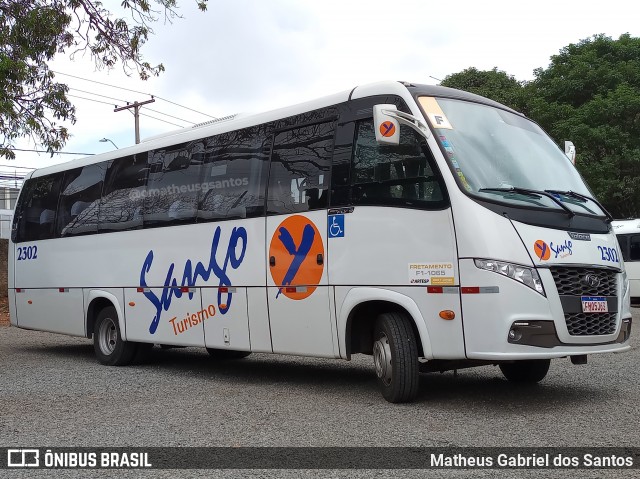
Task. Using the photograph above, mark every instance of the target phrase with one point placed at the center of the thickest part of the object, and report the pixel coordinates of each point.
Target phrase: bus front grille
(573, 283)
(591, 324)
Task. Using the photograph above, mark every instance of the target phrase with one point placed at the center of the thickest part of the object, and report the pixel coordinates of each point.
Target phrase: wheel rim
(107, 336)
(382, 359)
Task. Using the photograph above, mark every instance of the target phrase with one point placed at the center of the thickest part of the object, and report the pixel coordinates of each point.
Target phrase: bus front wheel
(108, 344)
(526, 371)
(395, 356)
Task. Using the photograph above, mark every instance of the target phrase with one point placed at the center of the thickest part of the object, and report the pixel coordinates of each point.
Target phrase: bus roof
(239, 121)
(626, 226)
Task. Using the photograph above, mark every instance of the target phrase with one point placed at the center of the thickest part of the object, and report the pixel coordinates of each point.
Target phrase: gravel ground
(54, 393)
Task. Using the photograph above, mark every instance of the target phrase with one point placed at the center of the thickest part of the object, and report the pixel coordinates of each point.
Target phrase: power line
(134, 91)
(159, 119)
(55, 152)
(15, 166)
(97, 94)
(171, 116)
(111, 104)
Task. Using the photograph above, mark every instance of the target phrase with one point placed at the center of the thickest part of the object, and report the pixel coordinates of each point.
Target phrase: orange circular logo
(387, 129)
(542, 250)
(296, 257)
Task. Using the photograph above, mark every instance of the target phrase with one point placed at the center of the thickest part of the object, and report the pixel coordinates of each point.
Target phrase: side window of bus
(300, 169)
(80, 201)
(121, 207)
(393, 175)
(634, 248)
(623, 242)
(234, 175)
(36, 213)
(173, 186)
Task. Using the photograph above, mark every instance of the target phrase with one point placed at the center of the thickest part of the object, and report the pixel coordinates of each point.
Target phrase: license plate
(594, 304)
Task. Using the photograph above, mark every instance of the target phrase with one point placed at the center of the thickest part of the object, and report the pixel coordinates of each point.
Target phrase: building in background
(11, 178)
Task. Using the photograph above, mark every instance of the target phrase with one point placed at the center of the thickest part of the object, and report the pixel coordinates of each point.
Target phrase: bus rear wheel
(108, 344)
(395, 356)
(528, 371)
(227, 354)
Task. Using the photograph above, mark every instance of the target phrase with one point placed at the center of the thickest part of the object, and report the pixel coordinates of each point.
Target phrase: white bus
(628, 233)
(430, 228)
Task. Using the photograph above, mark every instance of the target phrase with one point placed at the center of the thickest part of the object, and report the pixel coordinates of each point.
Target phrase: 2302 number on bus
(27, 252)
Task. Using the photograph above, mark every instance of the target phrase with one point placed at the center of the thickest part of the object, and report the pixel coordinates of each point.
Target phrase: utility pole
(136, 113)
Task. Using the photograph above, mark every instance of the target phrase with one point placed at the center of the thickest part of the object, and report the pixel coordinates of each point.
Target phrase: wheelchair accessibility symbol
(336, 226)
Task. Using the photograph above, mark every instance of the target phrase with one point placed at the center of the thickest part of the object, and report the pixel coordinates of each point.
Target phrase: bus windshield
(506, 157)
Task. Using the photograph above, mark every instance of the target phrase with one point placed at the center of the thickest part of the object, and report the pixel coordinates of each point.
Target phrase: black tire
(395, 355)
(227, 354)
(528, 371)
(110, 349)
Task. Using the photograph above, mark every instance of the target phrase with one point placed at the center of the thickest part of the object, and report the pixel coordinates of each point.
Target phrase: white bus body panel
(632, 267)
(300, 325)
(372, 262)
(562, 249)
(228, 331)
(34, 308)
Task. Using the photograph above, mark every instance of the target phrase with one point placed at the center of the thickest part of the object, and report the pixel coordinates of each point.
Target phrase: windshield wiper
(536, 193)
(582, 197)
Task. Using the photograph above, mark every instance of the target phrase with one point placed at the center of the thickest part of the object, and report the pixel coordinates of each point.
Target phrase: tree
(494, 84)
(590, 94)
(33, 31)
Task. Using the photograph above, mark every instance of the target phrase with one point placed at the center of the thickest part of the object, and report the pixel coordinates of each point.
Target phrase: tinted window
(634, 248)
(393, 175)
(173, 186)
(234, 175)
(80, 200)
(121, 207)
(623, 241)
(36, 212)
(300, 166)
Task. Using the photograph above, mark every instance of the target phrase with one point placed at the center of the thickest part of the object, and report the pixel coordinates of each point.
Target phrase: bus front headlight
(523, 274)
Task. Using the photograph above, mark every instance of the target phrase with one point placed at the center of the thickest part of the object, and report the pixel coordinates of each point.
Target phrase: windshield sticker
(445, 142)
(436, 116)
(463, 179)
(431, 273)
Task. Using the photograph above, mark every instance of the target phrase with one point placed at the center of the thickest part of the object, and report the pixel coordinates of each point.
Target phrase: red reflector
(18, 290)
(140, 290)
(184, 289)
(470, 290)
(290, 290)
(61, 290)
(223, 290)
(434, 289)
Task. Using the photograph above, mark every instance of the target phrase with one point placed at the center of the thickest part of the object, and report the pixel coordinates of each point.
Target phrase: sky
(256, 55)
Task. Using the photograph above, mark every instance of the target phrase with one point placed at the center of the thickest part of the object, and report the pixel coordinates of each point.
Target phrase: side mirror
(387, 120)
(570, 151)
(385, 125)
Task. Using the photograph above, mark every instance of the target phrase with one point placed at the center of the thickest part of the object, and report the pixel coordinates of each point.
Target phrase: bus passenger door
(296, 237)
(297, 285)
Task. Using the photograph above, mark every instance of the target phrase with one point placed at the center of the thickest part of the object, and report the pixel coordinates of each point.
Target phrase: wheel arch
(96, 301)
(357, 317)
